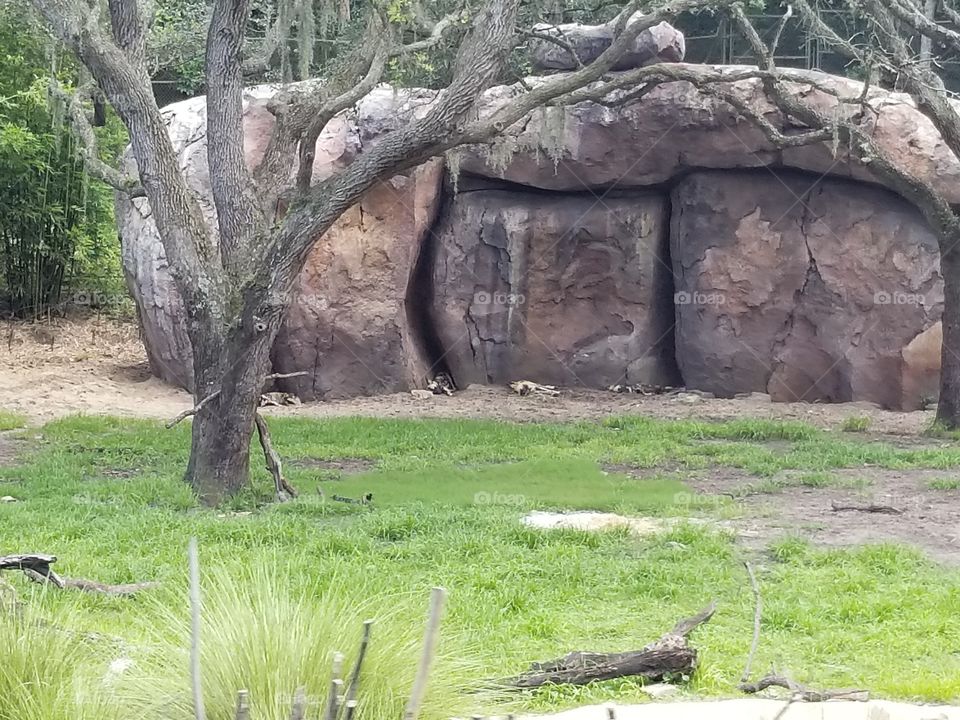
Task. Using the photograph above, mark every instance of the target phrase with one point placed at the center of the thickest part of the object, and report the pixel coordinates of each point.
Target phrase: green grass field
(287, 585)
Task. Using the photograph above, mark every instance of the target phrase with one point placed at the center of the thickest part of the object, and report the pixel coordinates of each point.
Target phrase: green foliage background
(57, 231)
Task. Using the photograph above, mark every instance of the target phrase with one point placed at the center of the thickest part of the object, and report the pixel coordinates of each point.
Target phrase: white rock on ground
(590, 520)
(595, 521)
(761, 709)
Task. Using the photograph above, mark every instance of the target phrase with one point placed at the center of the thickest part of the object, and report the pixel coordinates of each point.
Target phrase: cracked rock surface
(561, 288)
(808, 290)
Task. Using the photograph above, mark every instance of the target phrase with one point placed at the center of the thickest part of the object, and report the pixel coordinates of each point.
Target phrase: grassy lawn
(286, 585)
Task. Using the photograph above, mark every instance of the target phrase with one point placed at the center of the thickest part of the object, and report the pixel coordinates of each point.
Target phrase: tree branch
(176, 212)
(96, 167)
(924, 25)
(129, 30)
(333, 106)
(932, 205)
(216, 393)
(238, 210)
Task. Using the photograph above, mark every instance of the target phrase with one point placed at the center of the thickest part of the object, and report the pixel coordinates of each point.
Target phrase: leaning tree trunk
(948, 408)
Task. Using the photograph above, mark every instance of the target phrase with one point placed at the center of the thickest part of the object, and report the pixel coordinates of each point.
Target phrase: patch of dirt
(344, 466)
(97, 365)
(10, 449)
(929, 518)
(94, 365)
(595, 521)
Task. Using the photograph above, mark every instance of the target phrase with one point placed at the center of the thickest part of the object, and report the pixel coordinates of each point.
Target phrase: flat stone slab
(761, 709)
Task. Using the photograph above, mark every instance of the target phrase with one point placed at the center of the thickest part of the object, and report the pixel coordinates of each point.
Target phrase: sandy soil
(94, 366)
(98, 366)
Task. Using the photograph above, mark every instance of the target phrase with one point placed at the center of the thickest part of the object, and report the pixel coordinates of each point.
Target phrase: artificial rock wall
(660, 242)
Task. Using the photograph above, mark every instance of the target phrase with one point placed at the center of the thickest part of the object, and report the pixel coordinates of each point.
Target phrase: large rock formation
(350, 325)
(551, 260)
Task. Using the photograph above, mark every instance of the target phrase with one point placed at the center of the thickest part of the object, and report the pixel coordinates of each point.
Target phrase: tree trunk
(948, 408)
(235, 369)
(220, 451)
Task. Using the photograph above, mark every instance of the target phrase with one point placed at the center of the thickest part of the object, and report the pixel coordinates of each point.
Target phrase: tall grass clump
(261, 635)
(49, 672)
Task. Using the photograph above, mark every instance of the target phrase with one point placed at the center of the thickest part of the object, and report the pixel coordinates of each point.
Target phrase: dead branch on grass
(774, 679)
(802, 692)
(668, 657)
(757, 616)
(37, 568)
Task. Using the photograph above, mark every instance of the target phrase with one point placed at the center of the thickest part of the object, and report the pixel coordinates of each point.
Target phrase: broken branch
(284, 490)
(871, 508)
(757, 616)
(802, 692)
(37, 568)
(667, 657)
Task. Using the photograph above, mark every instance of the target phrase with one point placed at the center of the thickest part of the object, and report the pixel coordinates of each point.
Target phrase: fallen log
(667, 658)
(37, 568)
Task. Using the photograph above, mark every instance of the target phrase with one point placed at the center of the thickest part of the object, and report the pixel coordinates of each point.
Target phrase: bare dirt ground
(94, 366)
(925, 517)
(98, 366)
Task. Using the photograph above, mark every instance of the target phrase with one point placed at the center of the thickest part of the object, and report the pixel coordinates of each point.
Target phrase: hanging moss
(454, 158)
(553, 133)
(306, 37)
(499, 153)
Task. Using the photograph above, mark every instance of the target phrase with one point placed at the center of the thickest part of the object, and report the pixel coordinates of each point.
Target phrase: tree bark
(220, 449)
(948, 407)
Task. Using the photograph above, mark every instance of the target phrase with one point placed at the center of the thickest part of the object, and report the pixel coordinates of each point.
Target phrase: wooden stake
(299, 709)
(355, 675)
(336, 687)
(437, 597)
(243, 706)
(194, 560)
